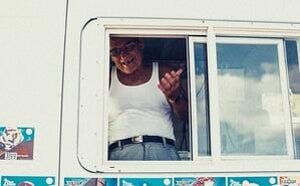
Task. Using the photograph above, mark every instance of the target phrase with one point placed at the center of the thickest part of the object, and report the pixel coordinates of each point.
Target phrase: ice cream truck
(241, 76)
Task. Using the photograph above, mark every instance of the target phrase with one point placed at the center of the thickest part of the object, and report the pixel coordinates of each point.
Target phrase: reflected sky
(249, 57)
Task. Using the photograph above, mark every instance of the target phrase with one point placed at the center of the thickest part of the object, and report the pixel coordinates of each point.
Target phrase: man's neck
(139, 76)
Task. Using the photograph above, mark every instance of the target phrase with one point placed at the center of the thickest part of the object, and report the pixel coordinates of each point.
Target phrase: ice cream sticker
(200, 181)
(252, 181)
(289, 181)
(27, 181)
(146, 182)
(16, 143)
(90, 182)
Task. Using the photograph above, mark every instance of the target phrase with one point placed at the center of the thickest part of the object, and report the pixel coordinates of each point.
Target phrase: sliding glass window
(254, 121)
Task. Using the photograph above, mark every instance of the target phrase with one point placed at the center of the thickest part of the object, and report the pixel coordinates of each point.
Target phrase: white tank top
(138, 110)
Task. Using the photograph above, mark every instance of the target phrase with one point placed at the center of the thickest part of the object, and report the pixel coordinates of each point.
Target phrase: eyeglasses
(127, 48)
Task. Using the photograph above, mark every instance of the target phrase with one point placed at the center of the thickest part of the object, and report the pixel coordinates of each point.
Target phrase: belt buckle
(137, 139)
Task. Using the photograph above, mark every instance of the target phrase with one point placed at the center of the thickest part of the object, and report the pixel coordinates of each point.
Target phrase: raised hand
(170, 84)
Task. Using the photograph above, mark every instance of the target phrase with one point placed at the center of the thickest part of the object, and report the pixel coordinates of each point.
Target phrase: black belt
(141, 139)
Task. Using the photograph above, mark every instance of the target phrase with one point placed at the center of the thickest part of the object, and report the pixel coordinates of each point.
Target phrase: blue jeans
(144, 151)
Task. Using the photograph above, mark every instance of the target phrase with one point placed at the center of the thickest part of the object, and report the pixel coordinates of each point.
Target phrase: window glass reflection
(294, 82)
(250, 99)
(202, 99)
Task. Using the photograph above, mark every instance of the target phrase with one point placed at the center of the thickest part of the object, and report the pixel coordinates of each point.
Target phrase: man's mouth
(127, 62)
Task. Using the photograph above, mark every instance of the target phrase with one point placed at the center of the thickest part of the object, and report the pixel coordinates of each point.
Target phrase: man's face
(126, 53)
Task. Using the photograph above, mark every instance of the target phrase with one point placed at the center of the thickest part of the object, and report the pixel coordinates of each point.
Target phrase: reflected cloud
(251, 111)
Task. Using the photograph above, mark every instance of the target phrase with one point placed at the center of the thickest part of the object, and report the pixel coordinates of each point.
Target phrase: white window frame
(103, 27)
(193, 99)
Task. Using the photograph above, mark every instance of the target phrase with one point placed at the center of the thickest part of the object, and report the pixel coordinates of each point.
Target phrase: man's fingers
(173, 76)
(172, 80)
(165, 83)
(178, 72)
(173, 73)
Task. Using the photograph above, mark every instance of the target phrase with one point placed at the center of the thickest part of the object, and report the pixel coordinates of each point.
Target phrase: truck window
(239, 99)
(253, 118)
(148, 99)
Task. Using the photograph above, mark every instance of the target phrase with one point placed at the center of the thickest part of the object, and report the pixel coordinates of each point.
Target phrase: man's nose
(123, 55)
